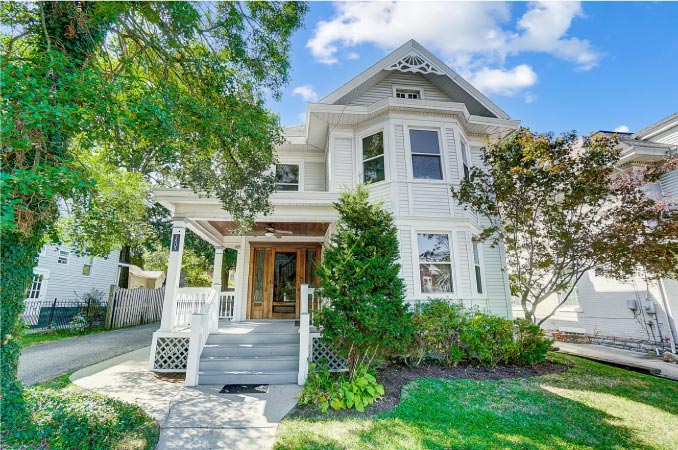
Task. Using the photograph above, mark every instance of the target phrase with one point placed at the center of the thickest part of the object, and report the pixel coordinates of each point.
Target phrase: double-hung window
(426, 160)
(87, 266)
(476, 265)
(435, 264)
(64, 256)
(572, 301)
(36, 286)
(287, 177)
(465, 160)
(373, 158)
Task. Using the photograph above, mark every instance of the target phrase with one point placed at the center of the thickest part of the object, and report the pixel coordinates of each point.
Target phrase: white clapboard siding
(430, 199)
(494, 280)
(669, 136)
(464, 288)
(407, 270)
(66, 281)
(384, 89)
(400, 153)
(669, 183)
(314, 176)
(343, 163)
(381, 192)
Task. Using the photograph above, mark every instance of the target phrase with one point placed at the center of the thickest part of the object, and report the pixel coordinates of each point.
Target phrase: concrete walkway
(43, 361)
(618, 356)
(191, 418)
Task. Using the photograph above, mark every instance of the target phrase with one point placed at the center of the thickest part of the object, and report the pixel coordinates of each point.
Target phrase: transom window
(408, 93)
(435, 264)
(87, 266)
(476, 264)
(287, 177)
(36, 286)
(465, 161)
(373, 158)
(64, 256)
(425, 149)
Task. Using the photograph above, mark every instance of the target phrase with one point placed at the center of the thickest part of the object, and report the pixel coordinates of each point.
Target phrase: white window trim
(397, 87)
(43, 286)
(359, 157)
(296, 162)
(472, 267)
(68, 257)
(419, 295)
(570, 308)
(469, 157)
(440, 129)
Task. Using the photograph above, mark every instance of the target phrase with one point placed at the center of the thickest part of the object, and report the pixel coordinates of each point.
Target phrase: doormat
(244, 389)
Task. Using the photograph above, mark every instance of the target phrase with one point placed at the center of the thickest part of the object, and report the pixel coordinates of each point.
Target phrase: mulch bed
(395, 376)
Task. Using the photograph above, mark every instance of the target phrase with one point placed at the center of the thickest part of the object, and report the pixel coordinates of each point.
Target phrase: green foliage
(337, 391)
(561, 209)
(71, 418)
(367, 316)
(193, 265)
(446, 333)
(437, 326)
(91, 313)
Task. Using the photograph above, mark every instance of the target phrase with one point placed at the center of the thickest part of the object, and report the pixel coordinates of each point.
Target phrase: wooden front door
(276, 275)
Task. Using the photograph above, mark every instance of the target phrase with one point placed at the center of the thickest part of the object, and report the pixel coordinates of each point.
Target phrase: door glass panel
(311, 267)
(285, 277)
(258, 291)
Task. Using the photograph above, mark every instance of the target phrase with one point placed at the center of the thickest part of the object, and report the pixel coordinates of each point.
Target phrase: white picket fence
(130, 307)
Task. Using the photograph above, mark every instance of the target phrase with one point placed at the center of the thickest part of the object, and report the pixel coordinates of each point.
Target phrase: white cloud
(352, 56)
(473, 38)
(306, 92)
(530, 97)
(502, 81)
(622, 129)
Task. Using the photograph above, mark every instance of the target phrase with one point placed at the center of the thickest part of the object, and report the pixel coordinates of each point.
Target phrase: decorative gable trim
(415, 63)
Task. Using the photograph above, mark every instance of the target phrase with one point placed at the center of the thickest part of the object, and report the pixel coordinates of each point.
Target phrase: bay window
(373, 158)
(426, 158)
(435, 263)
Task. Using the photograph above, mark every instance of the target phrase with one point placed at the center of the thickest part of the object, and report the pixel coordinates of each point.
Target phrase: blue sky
(554, 66)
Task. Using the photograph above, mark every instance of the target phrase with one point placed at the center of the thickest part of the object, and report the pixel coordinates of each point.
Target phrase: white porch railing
(203, 323)
(226, 304)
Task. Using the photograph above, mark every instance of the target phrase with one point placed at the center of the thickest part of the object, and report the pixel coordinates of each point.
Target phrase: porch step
(273, 363)
(253, 338)
(250, 350)
(246, 377)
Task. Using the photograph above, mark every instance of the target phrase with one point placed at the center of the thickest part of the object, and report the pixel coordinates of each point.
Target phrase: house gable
(413, 65)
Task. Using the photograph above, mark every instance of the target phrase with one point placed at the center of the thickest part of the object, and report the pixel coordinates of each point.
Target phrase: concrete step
(253, 338)
(244, 350)
(246, 377)
(273, 363)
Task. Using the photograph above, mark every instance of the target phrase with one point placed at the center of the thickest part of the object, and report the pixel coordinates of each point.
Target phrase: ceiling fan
(271, 231)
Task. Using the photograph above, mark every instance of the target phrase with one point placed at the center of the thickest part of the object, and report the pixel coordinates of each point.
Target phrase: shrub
(531, 343)
(446, 333)
(325, 389)
(487, 339)
(367, 316)
(437, 325)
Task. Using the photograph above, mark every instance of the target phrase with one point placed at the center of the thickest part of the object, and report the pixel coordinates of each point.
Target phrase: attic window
(408, 93)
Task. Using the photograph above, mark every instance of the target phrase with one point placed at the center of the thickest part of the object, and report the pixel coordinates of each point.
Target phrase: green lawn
(28, 339)
(590, 406)
(64, 416)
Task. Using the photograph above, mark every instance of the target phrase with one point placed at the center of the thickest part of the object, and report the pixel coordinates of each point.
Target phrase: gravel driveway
(44, 361)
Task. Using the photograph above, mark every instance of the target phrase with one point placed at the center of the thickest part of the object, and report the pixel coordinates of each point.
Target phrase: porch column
(173, 273)
(241, 284)
(216, 271)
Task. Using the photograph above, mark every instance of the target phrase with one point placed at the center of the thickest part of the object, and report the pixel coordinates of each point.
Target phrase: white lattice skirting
(171, 354)
(322, 353)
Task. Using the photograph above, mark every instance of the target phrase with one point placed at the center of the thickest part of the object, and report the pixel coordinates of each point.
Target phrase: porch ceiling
(227, 228)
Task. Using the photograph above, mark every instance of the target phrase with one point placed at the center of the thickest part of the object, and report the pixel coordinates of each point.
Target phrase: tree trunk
(18, 256)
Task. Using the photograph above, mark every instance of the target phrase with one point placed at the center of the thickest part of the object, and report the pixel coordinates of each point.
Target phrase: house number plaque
(176, 240)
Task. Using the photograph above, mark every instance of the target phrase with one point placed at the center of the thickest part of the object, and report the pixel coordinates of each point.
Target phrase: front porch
(206, 332)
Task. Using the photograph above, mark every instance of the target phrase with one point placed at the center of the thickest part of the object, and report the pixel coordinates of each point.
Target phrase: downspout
(669, 315)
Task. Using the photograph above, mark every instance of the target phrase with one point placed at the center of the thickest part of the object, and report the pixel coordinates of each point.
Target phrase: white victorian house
(408, 125)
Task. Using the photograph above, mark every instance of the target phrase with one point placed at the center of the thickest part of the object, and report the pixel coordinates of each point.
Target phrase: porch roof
(304, 214)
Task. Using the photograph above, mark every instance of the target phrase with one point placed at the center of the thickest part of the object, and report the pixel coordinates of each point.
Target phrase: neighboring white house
(408, 125)
(637, 315)
(62, 274)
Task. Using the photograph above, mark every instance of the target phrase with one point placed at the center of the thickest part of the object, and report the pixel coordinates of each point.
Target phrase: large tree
(562, 207)
(171, 91)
